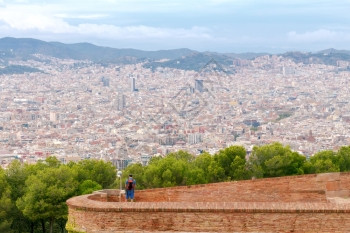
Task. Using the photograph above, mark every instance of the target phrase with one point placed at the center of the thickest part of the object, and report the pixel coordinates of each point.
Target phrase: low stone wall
(310, 203)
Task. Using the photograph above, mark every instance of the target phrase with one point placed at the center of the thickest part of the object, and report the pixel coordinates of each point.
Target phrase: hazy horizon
(203, 51)
(223, 26)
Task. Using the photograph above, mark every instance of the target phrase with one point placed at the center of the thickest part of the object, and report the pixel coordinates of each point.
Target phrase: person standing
(130, 188)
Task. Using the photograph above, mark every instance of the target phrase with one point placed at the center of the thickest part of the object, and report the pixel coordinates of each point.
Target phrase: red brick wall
(287, 204)
(289, 189)
(213, 221)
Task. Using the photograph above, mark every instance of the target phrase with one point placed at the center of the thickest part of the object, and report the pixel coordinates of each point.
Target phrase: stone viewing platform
(308, 203)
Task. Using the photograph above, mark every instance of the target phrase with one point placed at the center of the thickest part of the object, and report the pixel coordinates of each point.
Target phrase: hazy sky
(206, 25)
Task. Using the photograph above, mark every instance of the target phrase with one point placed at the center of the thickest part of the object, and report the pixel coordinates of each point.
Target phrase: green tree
(239, 170)
(308, 167)
(152, 176)
(290, 163)
(322, 166)
(88, 186)
(324, 161)
(182, 155)
(168, 178)
(196, 176)
(16, 175)
(256, 170)
(166, 172)
(46, 194)
(226, 157)
(5, 203)
(344, 158)
(202, 162)
(52, 161)
(216, 172)
(104, 173)
(275, 160)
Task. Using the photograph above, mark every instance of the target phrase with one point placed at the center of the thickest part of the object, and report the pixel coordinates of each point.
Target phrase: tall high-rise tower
(121, 103)
(133, 84)
(105, 81)
(199, 85)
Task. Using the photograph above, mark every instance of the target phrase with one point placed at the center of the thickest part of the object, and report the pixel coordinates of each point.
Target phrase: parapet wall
(310, 203)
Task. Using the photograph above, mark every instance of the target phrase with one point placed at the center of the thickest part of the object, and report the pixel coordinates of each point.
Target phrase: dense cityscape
(77, 109)
(174, 116)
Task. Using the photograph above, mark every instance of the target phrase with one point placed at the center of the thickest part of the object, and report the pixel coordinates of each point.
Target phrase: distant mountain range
(328, 57)
(25, 48)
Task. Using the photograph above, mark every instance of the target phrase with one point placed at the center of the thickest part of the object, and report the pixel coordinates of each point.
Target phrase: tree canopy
(5, 204)
(33, 196)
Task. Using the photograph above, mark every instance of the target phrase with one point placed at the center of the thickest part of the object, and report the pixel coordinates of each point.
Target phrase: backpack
(130, 184)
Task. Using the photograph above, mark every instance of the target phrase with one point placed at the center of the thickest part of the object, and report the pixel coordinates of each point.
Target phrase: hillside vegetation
(33, 196)
(272, 160)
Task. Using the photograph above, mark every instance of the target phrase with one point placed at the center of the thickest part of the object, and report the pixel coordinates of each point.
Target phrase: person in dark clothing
(130, 184)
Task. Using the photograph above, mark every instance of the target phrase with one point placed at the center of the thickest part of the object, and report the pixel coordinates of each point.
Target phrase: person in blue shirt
(130, 188)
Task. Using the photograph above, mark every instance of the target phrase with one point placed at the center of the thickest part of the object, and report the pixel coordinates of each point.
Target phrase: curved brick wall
(310, 203)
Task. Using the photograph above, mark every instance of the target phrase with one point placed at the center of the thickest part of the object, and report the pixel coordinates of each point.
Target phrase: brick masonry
(309, 203)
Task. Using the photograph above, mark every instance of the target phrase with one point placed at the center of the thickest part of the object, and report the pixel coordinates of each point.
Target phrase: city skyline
(106, 113)
(210, 25)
